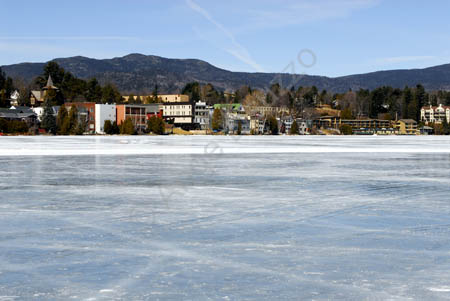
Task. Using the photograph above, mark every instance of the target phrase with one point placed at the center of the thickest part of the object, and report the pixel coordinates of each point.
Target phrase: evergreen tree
(48, 119)
(73, 119)
(294, 128)
(127, 127)
(193, 90)
(110, 94)
(55, 71)
(156, 125)
(272, 123)
(406, 100)
(115, 128)
(217, 120)
(108, 127)
(61, 119)
(94, 91)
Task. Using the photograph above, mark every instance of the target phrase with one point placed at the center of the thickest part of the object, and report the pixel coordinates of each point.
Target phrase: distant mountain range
(138, 73)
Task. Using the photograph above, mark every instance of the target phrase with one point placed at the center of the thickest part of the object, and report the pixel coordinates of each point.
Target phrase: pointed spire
(49, 81)
(50, 84)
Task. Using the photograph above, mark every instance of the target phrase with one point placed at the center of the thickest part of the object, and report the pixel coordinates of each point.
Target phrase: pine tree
(156, 125)
(108, 127)
(127, 127)
(48, 119)
(60, 119)
(294, 128)
(73, 119)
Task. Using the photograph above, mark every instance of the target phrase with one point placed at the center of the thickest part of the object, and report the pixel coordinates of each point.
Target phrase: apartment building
(202, 115)
(137, 114)
(435, 114)
(407, 127)
(266, 110)
(104, 112)
(178, 110)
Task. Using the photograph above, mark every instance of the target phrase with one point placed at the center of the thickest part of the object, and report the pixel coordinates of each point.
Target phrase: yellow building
(173, 98)
(407, 127)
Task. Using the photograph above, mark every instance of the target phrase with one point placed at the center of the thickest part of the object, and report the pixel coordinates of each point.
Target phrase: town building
(202, 115)
(286, 124)
(435, 114)
(171, 98)
(426, 130)
(266, 110)
(137, 114)
(178, 110)
(104, 112)
(232, 121)
(38, 97)
(24, 114)
(407, 127)
(86, 114)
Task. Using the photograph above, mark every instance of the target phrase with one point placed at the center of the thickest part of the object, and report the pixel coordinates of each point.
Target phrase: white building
(201, 115)
(15, 98)
(435, 114)
(104, 112)
(179, 109)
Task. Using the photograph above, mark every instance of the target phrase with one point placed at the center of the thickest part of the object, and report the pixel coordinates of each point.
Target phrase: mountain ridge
(138, 73)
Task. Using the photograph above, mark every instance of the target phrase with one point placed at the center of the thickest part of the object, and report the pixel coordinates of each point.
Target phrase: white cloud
(288, 12)
(234, 48)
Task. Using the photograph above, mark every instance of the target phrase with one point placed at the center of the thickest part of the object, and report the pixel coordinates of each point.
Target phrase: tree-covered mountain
(137, 73)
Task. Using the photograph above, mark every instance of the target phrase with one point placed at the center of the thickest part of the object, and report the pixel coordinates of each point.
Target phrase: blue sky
(333, 37)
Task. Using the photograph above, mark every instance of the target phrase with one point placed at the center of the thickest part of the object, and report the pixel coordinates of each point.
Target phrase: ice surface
(232, 218)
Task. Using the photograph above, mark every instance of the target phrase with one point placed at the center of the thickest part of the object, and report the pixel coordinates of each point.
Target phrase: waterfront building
(407, 127)
(435, 114)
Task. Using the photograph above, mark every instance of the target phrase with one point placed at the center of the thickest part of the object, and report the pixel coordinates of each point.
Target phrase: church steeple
(50, 84)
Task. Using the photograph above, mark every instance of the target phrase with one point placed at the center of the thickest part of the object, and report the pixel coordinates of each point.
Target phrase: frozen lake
(224, 218)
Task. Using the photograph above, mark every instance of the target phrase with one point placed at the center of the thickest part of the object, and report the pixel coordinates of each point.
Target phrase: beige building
(173, 98)
(407, 127)
(179, 112)
(177, 107)
(266, 110)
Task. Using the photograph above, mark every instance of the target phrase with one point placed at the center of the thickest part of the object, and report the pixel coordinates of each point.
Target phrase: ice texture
(224, 218)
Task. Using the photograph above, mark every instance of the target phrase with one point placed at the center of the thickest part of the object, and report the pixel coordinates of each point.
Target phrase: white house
(104, 112)
(15, 98)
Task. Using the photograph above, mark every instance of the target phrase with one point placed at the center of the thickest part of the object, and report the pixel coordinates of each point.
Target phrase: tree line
(384, 102)
(70, 88)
